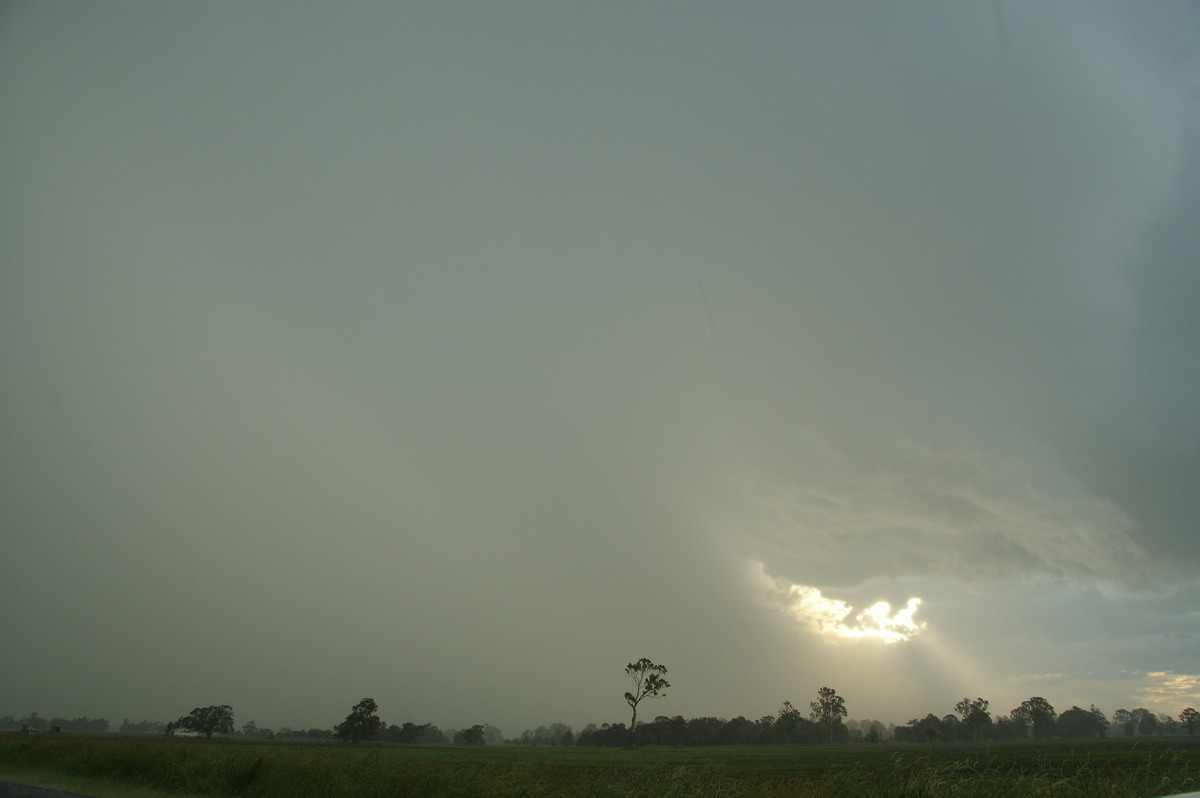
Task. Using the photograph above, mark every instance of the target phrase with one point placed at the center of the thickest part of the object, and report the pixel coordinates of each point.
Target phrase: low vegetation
(1100, 768)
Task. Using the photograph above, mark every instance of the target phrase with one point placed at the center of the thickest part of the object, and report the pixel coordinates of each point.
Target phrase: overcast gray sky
(457, 354)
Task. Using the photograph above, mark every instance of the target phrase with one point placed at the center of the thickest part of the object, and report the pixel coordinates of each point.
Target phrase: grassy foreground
(1099, 769)
(85, 785)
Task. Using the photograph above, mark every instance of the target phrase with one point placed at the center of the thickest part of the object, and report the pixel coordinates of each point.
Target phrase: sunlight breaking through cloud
(836, 618)
(1168, 688)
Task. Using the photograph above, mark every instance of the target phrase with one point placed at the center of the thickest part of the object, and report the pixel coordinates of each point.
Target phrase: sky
(457, 354)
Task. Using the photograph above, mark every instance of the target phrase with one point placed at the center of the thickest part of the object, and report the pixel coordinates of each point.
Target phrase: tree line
(1036, 718)
(33, 722)
(825, 723)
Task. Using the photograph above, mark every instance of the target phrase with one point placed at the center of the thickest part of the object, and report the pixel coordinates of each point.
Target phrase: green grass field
(114, 765)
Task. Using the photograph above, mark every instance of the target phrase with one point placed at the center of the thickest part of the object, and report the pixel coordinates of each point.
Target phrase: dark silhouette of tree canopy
(647, 681)
(1144, 721)
(1078, 722)
(792, 727)
(1034, 717)
(208, 720)
(554, 734)
(413, 733)
(1037, 713)
(142, 727)
(974, 714)
(361, 724)
(828, 711)
(473, 735)
(84, 724)
(1101, 720)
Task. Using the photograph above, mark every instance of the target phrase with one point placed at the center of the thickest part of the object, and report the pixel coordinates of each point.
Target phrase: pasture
(116, 765)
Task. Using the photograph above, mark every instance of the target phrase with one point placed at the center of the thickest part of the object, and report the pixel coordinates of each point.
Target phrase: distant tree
(738, 731)
(84, 724)
(1076, 722)
(1123, 720)
(828, 711)
(952, 728)
(974, 714)
(557, 730)
(1190, 718)
(667, 731)
(361, 724)
(1038, 714)
(866, 730)
(1007, 727)
(611, 735)
(471, 736)
(309, 734)
(585, 735)
(412, 733)
(546, 735)
(1144, 721)
(538, 736)
(208, 720)
(1101, 720)
(922, 730)
(647, 681)
(906, 733)
(704, 731)
(789, 724)
(251, 729)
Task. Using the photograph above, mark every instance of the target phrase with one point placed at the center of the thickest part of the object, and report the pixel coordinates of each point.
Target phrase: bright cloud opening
(836, 618)
(1169, 689)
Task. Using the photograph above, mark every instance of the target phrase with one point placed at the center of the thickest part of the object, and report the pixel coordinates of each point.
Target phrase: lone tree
(647, 681)
(208, 720)
(828, 710)
(361, 723)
